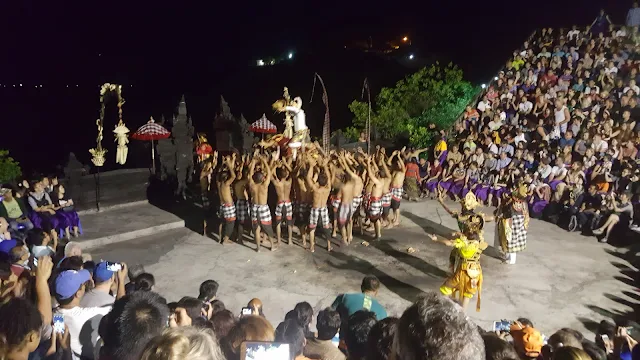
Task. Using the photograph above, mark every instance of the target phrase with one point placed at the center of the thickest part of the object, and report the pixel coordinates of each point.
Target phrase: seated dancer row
(356, 187)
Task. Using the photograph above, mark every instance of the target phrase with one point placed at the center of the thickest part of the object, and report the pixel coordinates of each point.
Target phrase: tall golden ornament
(98, 153)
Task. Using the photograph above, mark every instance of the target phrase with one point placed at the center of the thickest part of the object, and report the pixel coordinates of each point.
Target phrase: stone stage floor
(562, 279)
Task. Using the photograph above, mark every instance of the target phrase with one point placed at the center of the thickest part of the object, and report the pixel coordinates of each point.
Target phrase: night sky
(160, 50)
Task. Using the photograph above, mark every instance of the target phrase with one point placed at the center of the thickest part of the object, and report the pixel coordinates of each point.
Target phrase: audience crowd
(563, 118)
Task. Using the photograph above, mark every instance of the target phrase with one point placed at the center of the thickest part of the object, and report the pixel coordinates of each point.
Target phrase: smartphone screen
(58, 323)
(111, 266)
(246, 311)
(502, 325)
(264, 351)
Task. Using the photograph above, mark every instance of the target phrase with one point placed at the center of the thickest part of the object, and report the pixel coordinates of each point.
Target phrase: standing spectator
(357, 333)
(601, 22)
(321, 347)
(435, 328)
(208, 291)
(290, 332)
(100, 295)
(498, 349)
(19, 329)
(348, 304)
(185, 344)
(380, 339)
(82, 322)
(633, 16)
(133, 322)
(248, 328)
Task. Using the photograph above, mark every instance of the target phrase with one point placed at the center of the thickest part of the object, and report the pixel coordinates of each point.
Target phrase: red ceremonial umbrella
(264, 126)
(150, 132)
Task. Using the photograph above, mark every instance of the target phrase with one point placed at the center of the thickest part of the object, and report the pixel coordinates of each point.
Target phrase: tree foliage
(9, 168)
(433, 95)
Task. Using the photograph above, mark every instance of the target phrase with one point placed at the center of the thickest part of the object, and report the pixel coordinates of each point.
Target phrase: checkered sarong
(357, 201)
(515, 234)
(227, 212)
(319, 215)
(242, 210)
(396, 193)
(375, 208)
(284, 207)
(261, 214)
(386, 199)
(335, 203)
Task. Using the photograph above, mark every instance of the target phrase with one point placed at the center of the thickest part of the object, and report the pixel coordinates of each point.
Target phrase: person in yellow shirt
(466, 280)
(440, 150)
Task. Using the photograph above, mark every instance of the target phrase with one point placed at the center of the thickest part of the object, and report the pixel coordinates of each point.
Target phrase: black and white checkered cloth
(284, 208)
(386, 199)
(357, 201)
(319, 215)
(261, 214)
(396, 193)
(518, 240)
(227, 212)
(242, 210)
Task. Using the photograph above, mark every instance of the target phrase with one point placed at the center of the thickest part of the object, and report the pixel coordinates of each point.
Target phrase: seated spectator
(186, 312)
(82, 322)
(38, 242)
(380, 340)
(434, 327)
(527, 341)
(103, 280)
(20, 328)
(64, 206)
(134, 321)
(4, 230)
(144, 282)
(185, 343)
(208, 291)
(248, 328)
(290, 332)
(223, 321)
(304, 316)
(321, 347)
(498, 349)
(14, 210)
(72, 249)
(348, 304)
(256, 307)
(43, 214)
(621, 212)
(570, 353)
(356, 335)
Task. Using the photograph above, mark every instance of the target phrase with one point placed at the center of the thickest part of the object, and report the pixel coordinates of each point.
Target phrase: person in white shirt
(525, 106)
(598, 145)
(611, 68)
(574, 33)
(484, 104)
(632, 86)
(83, 322)
(491, 147)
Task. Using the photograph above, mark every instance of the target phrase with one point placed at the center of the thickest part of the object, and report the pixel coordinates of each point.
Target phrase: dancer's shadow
(415, 262)
(349, 262)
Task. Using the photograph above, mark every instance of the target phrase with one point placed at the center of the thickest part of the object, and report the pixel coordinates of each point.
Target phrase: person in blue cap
(105, 282)
(83, 322)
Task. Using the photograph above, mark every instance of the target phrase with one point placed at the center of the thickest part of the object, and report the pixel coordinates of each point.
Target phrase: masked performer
(466, 279)
(513, 223)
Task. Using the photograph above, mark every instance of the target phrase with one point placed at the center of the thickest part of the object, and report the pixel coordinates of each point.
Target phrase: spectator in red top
(412, 179)
(550, 78)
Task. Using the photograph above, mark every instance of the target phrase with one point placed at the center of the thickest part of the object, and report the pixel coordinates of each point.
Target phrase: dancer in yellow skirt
(466, 279)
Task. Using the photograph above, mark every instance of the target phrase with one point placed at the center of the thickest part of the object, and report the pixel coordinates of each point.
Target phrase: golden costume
(467, 277)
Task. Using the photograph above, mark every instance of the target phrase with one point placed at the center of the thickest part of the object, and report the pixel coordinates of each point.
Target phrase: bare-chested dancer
(242, 198)
(358, 188)
(375, 200)
(347, 194)
(260, 211)
(303, 198)
(385, 177)
(397, 183)
(320, 190)
(227, 212)
(284, 211)
(205, 178)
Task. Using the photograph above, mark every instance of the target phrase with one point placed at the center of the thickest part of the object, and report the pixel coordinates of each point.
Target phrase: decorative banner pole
(368, 126)
(326, 127)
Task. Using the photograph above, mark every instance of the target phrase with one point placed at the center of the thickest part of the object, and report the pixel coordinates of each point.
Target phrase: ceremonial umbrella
(264, 126)
(150, 132)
